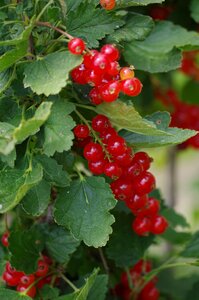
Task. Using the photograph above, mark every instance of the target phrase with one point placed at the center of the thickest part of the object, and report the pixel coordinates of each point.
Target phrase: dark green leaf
(192, 248)
(99, 289)
(6, 78)
(49, 293)
(6, 294)
(174, 218)
(194, 292)
(194, 7)
(84, 210)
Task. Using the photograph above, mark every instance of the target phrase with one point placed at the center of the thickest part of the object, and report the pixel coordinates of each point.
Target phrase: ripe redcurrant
(158, 225)
(81, 131)
(76, 46)
(93, 152)
(111, 52)
(4, 239)
(100, 123)
(108, 4)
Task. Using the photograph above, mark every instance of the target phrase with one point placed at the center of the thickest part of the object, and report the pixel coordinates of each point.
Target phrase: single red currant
(81, 131)
(97, 167)
(131, 87)
(13, 271)
(158, 225)
(93, 152)
(81, 143)
(4, 239)
(10, 279)
(93, 78)
(133, 170)
(88, 57)
(127, 73)
(124, 159)
(141, 226)
(42, 269)
(122, 189)
(110, 91)
(108, 4)
(137, 202)
(95, 96)
(100, 123)
(144, 183)
(116, 146)
(152, 207)
(100, 63)
(108, 134)
(142, 267)
(143, 158)
(76, 46)
(114, 68)
(27, 280)
(78, 74)
(111, 52)
(112, 170)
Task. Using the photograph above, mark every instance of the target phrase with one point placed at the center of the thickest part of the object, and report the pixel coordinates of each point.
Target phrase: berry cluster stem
(47, 24)
(69, 282)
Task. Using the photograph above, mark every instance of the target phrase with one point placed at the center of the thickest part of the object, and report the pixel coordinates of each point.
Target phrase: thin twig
(69, 282)
(104, 262)
(47, 24)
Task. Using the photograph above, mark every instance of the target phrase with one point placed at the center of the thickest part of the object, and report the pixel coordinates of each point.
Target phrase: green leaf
(136, 27)
(60, 244)
(49, 75)
(84, 210)
(99, 288)
(6, 78)
(14, 184)
(127, 3)
(58, 133)
(6, 294)
(124, 246)
(48, 292)
(194, 7)
(192, 248)
(25, 248)
(80, 21)
(176, 237)
(82, 294)
(194, 292)
(19, 39)
(189, 93)
(9, 159)
(53, 172)
(7, 142)
(174, 218)
(125, 116)
(170, 135)
(37, 199)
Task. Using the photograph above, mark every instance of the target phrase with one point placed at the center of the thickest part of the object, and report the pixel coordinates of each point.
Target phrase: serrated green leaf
(99, 288)
(58, 133)
(53, 172)
(194, 7)
(82, 294)
(125, 116)
(124, 246)
(21, 38)
(71, 5)
(80, 21)
(60, 244)
(14, 184)
(49, 75)
(84, 210)
(173, 135)
(6, 78)
(25, 248)
(6, 294)
(192, 248)
(37, 199)
(136, 27)
(127, 3)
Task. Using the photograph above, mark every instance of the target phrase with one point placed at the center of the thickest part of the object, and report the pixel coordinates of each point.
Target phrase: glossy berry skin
(10, 279)
(133, 170)
(122, 189)
(78, 74)
(111, 52)
(13, 271)
(141, 226)
(27, 280)
(31, 292)
(108, 4)
(124, 159)
(116, 146)
(112, 170)
(81, 143)
(159, 225)
(100, 123)
(93, 78)
(97, 167)
(144, 183)
(95, 96)
(42, 268)
(100, 63)
(137, 202)
(81, 131)
(93, 152)
(4, 239)
(131, 87)
(149, 292)
(76, 46)
(126, 73)
(143, 158)
(152, 208)
(114, 68)
(110, 91)
(88, 57)
(108, 134)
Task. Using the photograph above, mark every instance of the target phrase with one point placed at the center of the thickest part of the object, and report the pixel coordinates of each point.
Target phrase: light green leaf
(60, 244)
(192, 248)
(127, 3)
(99, 289)
(80, 21)
(6, 294)
(14, 184)
(58, 133)
(170, 135)
(194, 7)
(25, 248)
(84, 210)
(37, 199)
(125, 116)
(7, 142)
(48, 75)
(6, 78)
(9, 159)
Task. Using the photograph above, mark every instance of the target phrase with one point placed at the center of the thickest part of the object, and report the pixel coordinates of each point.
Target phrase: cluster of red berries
(28, 283)
(102, 71)
(129, 286)
(190, 65)
(108, 4)
(183, 115)
(160, 12)
(131, 180)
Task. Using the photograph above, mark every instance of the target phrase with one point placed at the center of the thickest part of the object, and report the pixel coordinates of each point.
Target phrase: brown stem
(47, 24)
(104, 262)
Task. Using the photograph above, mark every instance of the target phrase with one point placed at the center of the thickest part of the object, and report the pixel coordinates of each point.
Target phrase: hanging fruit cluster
(190, 64)
(134, 285)
(131, 180)
(101, 70)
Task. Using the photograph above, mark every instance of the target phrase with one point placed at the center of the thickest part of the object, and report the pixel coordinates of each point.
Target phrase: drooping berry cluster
(160, 12)
(183, 115)
(108, 4)
(190, 65)
(28, 283)
(130, 286)
(131, 180)
(101, 70)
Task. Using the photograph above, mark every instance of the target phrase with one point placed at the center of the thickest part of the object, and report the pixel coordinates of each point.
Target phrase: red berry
(108, 4)
(111, 52)
(93, 78)
(42, 269)
(124, 159)
(76, 46)
(114, 68)
(125, 280)
(158, 225)
(108, 134)
(95, 96)
(144, 183)
(13, 271)
(143, 158)
(142, 267)
(122, 189)
(110, 91)
(131, 87)
(78, 74)
(116, 146)
(81, 131)
(88, 58)
(10, 279)
(141, 225)
(97, 167)
(152, 208)
(4, 239)
(149, 292)
(100, 63)
(47, 259)
(126, 73)
(159, 12)
(133, 170)
(137, 202)
(81, 143)
(112, 170)
(27, 280)
(30, 292)
(93, 152)
(43, 281)
(100, 123)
